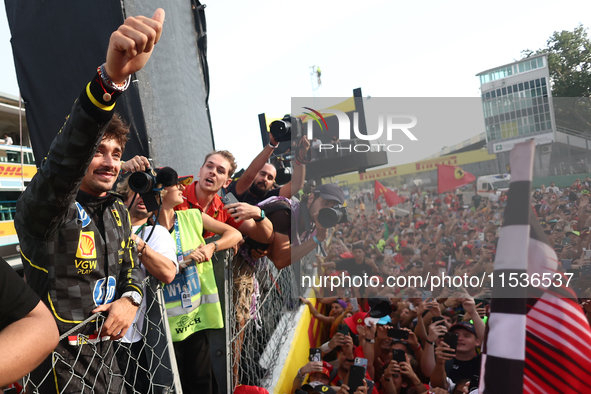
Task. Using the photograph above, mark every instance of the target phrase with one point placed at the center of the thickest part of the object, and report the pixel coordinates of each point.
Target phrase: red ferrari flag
(392, 198)
(452, 177)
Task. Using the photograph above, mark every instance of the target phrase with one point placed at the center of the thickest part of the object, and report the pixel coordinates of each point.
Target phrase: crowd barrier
(261, 307)
(145, 366)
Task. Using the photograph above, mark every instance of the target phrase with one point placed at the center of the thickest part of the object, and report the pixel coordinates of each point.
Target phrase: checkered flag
(537, 338)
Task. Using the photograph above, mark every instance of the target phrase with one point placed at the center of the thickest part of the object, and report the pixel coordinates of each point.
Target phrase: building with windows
(517, 105)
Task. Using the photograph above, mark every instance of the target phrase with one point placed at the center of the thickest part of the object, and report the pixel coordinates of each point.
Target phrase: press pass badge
(186, 299)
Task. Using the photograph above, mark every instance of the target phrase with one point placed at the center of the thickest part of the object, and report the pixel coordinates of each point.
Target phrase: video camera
(144, 183)
(287, 128)
(330, 217)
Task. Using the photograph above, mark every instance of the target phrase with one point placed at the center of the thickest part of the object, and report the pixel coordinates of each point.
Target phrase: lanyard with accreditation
(186, 284)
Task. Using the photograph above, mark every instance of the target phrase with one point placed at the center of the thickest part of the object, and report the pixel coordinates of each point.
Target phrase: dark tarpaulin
(57, 47)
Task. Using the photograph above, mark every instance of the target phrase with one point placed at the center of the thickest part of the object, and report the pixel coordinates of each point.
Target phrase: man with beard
(257, 182)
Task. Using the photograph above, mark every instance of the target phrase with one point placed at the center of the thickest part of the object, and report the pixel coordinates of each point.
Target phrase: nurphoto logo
(391, 123)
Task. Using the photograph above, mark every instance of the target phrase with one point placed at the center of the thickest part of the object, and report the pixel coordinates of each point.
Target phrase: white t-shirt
(8, 141)
(162, 242)
(555, 189)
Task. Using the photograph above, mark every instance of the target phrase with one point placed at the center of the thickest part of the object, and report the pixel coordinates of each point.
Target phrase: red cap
(250, 390)
(347, 255)
(354, 320)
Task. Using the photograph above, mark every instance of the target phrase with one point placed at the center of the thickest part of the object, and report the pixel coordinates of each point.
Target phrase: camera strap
(309, 230)
(307, 225)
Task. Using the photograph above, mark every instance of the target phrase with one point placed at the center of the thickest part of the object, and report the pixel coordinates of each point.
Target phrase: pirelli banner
(417, 167)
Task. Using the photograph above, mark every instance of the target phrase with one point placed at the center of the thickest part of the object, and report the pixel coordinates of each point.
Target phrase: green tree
(569, 63)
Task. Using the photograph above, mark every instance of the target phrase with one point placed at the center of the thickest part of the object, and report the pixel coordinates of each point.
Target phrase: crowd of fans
(436, 234)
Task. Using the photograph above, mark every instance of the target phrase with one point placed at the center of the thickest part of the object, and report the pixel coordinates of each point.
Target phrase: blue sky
(260, 52)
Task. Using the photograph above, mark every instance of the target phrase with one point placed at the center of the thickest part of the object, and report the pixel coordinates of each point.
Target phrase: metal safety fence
(85, 362)
(262, 307)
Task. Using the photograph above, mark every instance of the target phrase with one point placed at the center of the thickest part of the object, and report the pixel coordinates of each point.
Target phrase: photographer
(257, 182)
(309, 233)
(158, 258)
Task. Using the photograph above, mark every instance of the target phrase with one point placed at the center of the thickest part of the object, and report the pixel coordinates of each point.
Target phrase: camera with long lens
(144, 183)
(287, 128)
(330, 217)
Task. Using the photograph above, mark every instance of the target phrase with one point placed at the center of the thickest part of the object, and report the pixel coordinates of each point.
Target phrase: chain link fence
(263, 305)
(84, 362)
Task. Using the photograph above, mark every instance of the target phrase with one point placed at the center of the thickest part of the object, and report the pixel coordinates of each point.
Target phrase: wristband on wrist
(274, 146)
(300, 376)
(216, 246)
(429, 342)
(118, 87)
(261, 218)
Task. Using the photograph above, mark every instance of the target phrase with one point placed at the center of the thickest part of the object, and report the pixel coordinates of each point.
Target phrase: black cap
(358, 245)
(465, 325)
(331, 192)
(169, 177)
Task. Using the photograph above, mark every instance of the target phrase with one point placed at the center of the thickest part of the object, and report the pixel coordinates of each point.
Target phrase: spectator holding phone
(315, 371)
(463, 362)
(437, 330)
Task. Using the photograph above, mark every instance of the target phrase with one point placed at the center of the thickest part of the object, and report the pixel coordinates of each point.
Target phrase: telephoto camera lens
(141, 182)
(285, 129)
(330, 217)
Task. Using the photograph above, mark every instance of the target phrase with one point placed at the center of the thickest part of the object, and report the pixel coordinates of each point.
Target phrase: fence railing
(83, 362)
(261, 304)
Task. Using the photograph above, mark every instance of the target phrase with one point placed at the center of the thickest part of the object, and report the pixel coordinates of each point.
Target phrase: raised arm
(299, 172)
(315, 313)
(247, 178)
(54, 187)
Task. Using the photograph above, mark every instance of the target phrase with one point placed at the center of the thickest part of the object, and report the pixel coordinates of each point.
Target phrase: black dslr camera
(287, 128)
(330, 217)
(144, 183)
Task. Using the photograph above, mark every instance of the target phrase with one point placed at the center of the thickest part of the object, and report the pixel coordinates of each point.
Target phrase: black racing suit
(76, 249)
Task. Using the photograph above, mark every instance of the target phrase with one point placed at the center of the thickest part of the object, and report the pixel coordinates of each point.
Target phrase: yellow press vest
(205, 311)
